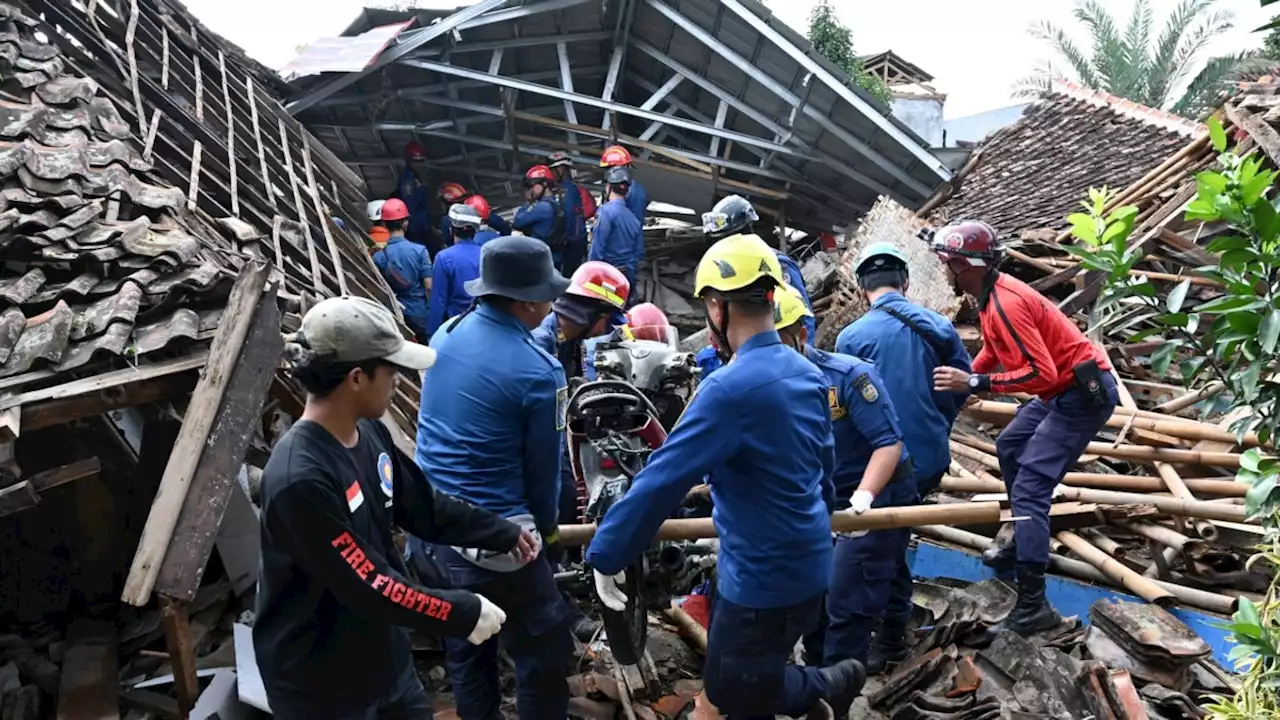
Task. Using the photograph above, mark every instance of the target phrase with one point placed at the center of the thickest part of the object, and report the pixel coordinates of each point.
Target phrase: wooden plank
(17, 497)
(298, 208)
(106, 380)
(231, 135)
(89, 682)
(65, 410)
(262, 155)
(152, 703)
(49, 479)
(182, 652)
(214, 475)
(1262, 133)
(131, 53)
(246, 294)
(193, 184)
(338, 271)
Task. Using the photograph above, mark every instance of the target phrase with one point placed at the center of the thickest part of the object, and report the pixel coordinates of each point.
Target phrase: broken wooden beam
(26, 494)
(220, 458)
(246, 294)
(182, 652)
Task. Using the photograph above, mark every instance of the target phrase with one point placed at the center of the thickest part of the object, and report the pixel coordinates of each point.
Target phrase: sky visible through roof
(976, 49)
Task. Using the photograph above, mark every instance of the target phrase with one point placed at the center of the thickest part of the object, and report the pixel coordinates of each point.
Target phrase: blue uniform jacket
(637, 201)
(707, 360)
(575, 225)
(536, 219)
(485, 234)
(496, 223)
(619, 239)
(492, 417)
(862, 416)
(906, 365)
(550, 339)
(406, 266)
(454, 266)
(417, 198)
(796, 280)
(761, 429)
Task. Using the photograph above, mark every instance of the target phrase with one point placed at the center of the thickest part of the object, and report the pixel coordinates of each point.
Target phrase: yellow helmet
(735, 263)
(788, 307)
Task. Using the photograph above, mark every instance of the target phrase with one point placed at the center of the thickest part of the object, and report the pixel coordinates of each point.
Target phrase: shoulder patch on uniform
(385, 474)
(562, 406)
(866, 388)
(833, 400)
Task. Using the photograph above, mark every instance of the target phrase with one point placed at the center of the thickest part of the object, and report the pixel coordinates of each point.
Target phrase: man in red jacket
(1043, 353)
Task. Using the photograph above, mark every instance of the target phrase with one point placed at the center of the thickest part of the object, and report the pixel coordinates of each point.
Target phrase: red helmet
(615, 155)
(413, 150)
(451, 192)
(394, 209)
(972, 240)
(646, 321)
(480, 204)
(597, 280)
(539, 173)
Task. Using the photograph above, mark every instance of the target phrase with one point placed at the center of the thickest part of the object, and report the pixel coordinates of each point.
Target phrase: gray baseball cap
(355, 329)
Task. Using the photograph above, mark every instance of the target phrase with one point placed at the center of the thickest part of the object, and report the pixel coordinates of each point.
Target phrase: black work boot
(1002, 559)
(888, 647)
(1032, 613)
(844, 683)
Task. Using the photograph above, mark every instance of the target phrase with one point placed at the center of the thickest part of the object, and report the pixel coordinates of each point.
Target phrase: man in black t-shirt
(334, 596)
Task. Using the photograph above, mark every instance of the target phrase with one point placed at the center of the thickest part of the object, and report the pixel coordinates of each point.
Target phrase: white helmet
(374, 209)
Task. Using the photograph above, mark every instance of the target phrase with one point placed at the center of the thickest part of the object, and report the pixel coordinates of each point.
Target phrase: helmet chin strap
(719, 334)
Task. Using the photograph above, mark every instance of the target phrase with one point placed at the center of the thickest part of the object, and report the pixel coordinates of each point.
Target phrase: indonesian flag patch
(355, 496)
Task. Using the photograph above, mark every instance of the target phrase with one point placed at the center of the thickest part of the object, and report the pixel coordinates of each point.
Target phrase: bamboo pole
(1130, 580)
(1179, 489)
(689, 627)
(874, 519)
(1165, 504)
(1147, 455)
(1062, 263)
(1186, 401)
(1161, 534)
(987, 460)
(1003, 412)
(1211, 601)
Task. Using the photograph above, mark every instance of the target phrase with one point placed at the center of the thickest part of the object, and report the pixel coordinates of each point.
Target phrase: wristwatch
(978, 383)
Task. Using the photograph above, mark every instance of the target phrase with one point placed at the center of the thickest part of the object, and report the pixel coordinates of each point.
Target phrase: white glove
(489, 622)
(861, 501)
(610, 594)
(1058, 490)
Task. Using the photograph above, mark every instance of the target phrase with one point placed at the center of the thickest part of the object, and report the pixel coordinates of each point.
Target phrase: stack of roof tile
(1031, 174)
(96, 258)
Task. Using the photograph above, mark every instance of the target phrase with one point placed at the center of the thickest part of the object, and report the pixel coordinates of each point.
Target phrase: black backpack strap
(929, 339)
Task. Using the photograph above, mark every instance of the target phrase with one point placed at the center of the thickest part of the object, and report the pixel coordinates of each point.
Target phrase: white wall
(923, 115)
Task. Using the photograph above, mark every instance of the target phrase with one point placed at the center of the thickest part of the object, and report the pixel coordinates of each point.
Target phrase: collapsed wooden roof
(1031, 174)
(162, 218)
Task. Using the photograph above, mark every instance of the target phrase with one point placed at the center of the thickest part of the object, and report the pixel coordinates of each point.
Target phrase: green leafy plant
(834, 41)
(1233, 338)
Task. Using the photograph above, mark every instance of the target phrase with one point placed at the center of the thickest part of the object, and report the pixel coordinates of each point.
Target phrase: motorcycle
(613, 424)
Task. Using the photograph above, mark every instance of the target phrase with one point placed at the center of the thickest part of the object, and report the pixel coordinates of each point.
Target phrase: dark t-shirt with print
(334, 596)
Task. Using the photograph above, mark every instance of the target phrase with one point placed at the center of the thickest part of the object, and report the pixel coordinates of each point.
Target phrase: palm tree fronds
(1108, 51)
(1137, 39)
(1202, 96)
(1039, 82)
(1163, 64)
(1067, 48)
(1196, 40)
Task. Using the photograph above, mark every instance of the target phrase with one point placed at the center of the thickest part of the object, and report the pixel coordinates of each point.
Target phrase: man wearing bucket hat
(331, 584)
(489, 433)
(906, 342)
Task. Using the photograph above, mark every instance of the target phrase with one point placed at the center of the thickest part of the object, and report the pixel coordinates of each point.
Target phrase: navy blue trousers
(863, 573)
(1036, 450)
(536, 636)
(746, 672)
(575, 251)
(899, 606)
(406, 699)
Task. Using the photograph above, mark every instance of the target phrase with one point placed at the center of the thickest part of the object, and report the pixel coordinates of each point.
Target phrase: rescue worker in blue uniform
(591, 307)
(906, 342)
(541, 216)
(406, 267)
(732, 215)
(570, 196)
(761, 429)
(455, 266)
(489, 431)
(619, 237)
(494, 221)
(411, 189)
(638, 198)
(873, 469)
